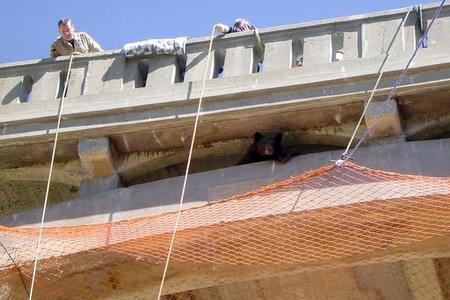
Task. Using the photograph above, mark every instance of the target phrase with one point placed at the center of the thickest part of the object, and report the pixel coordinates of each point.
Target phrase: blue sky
(28, 27)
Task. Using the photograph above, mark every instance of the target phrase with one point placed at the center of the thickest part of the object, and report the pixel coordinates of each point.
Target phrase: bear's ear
(278, 137)
(257, 136)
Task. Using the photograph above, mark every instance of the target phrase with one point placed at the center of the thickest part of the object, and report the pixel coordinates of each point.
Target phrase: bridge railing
(325, 42)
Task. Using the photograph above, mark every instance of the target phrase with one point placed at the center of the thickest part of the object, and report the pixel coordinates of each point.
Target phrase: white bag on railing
(176, 46)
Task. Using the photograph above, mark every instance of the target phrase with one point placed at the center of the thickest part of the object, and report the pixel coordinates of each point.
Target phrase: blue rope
(394, 88)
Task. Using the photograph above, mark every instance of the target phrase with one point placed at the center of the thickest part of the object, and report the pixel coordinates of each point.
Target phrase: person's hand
(222, 28)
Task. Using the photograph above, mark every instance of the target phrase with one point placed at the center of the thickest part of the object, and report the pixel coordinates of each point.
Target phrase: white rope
(38, 247)
(187, 167)
(380, 74)
(346, 156)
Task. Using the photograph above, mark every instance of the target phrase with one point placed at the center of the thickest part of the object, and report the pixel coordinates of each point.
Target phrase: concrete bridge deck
(129, 121)
(127, 125)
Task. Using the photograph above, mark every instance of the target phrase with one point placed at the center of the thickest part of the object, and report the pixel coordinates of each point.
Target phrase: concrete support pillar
(238, 61)
(162, 70)
(98, 185)
(76, 82)
(97, 160)
(104, 75)
(420, 271)
(278, 55)
(317, 49)
(388, 123)
(96, 157)
(45, 85)
(130, 73)
(10, 88)
(196, 62)
(351, 45)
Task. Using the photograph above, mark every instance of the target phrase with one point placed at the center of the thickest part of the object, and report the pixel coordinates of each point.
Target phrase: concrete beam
(383, 120)
(98, 185)
(89, 268)
(422, 126)
(442, 266)
(338, 135)
(422, 278)
(66, 173)
(162, 196)
(96, 157)
(137, 164)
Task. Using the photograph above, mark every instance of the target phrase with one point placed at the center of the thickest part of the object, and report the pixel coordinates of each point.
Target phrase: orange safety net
(324, 219)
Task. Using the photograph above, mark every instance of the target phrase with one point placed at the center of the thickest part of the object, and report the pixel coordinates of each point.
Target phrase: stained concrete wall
(424, 158)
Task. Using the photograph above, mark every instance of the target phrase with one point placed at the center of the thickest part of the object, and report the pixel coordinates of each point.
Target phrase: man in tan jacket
(70, 41)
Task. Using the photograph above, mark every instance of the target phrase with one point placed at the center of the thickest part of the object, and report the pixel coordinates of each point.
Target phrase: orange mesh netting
(323, 219)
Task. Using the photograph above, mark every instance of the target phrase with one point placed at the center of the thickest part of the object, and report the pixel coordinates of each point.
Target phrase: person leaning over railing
(243, 25)
(71, 42)
(239, 25)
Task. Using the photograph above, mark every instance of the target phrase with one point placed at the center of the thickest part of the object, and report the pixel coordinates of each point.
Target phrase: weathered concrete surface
(142, 109)
(96, 157)
(365, 276)
(97, 185)
(147, 114)
(383, 119)
(160, 196)
(106, 80)
(18, 196)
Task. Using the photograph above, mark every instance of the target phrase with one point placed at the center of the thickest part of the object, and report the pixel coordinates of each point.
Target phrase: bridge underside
(151, 142)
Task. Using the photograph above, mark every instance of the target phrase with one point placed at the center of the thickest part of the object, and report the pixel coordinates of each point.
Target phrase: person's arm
(53, 51)
(221, 28)
(92, 44)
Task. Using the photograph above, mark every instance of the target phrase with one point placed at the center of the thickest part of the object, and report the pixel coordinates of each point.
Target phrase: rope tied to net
(191, 149)
(50, 173)
(349, 156)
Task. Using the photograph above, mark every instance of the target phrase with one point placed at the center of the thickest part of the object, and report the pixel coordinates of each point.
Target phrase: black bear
(265, 148)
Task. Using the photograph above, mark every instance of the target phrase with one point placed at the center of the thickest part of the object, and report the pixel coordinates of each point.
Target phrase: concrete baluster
(196, 62)
(104, 75)
(277, 55)
(10, 89)
(317, 49)
(238, 61)
(163, 70)
(45, 85)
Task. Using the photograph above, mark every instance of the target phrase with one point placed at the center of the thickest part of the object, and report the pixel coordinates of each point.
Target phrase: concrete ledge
(162, 196)
(150, 105)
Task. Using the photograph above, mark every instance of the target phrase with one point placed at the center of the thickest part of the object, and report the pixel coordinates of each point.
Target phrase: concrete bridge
(127, 123)
(131, 119)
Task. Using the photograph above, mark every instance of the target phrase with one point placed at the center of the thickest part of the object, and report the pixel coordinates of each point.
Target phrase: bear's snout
(268, 151)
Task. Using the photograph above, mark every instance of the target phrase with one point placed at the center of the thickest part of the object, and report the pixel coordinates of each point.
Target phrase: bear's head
(267, 146)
